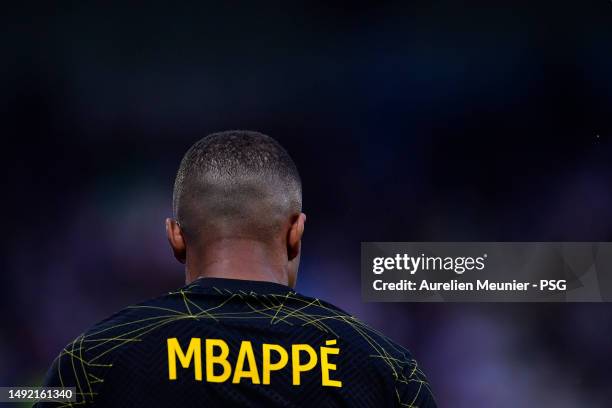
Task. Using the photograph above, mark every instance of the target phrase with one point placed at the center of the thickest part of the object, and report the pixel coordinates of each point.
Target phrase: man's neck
(243, 259)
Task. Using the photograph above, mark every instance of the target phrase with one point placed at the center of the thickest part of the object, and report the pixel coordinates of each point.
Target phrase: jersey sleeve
(411, 386)
(73, 367)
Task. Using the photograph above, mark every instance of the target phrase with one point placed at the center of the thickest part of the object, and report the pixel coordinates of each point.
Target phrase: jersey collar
(236, 285)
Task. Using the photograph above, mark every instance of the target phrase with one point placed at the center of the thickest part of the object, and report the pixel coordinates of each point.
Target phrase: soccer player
(237, 334)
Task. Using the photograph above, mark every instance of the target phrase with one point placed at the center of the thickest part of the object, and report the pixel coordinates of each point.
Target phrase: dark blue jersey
(223, 342)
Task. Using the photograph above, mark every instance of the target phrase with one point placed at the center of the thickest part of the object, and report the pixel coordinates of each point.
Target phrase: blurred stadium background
(409, 121)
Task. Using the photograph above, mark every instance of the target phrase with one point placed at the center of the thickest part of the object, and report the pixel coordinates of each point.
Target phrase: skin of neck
(237, 258)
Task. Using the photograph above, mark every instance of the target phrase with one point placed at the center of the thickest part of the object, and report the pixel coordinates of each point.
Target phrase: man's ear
(294, 237)
(176, 240)
(294, 244)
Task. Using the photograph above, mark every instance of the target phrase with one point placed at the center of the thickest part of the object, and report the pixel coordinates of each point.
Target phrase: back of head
(236, 184)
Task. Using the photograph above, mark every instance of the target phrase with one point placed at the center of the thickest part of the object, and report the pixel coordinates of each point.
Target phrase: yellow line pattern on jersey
(272, 307)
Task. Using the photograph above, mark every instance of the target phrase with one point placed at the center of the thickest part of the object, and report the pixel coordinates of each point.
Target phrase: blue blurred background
(409, 121)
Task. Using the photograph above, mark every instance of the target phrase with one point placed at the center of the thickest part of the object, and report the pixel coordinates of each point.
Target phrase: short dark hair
(236, 180)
